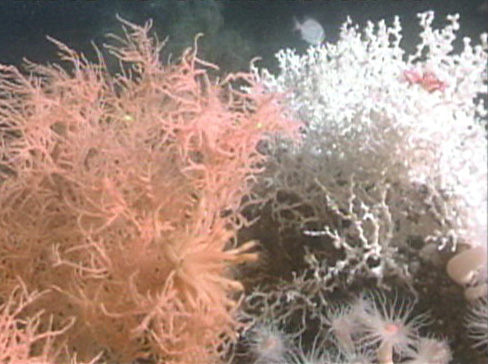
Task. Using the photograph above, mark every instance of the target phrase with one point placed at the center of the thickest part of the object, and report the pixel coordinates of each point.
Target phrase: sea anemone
(386, 322)
(431, 351)
(342, 325)
(266, 343)
(476, 323)
(317, 354)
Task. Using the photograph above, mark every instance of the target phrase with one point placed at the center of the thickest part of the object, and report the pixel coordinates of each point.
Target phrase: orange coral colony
(120, 198)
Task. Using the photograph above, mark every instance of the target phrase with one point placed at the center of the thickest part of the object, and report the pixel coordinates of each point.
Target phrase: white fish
(310, 30)
(483, 8)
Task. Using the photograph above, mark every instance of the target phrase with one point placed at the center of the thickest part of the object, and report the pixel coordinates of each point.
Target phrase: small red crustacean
(427, 80)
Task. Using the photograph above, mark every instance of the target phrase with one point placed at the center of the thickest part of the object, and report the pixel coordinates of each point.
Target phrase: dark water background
(235, 30)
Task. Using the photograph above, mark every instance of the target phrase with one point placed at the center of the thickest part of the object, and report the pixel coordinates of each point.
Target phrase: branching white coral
(412, 124)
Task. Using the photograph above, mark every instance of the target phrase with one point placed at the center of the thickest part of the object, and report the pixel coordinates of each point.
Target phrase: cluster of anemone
(377, 327)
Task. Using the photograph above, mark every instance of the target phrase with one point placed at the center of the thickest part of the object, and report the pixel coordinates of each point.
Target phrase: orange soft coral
(21, 340)
(120, 196)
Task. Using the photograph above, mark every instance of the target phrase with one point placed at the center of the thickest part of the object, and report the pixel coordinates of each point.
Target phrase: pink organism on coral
(428, 80)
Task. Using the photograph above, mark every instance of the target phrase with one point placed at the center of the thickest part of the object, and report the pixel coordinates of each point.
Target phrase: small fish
(483, 8)
(310, 30)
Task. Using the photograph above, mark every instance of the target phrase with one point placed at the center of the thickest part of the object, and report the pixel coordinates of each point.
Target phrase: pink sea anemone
(267, 343)
(387, 323)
